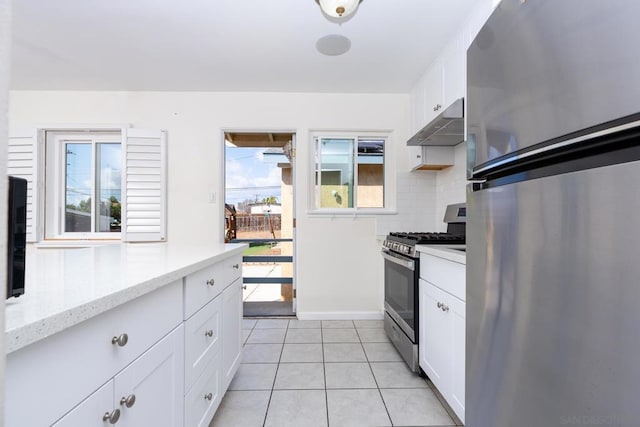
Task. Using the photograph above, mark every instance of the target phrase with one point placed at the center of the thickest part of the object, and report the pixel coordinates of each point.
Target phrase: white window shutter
(23, 163)
(143, 213)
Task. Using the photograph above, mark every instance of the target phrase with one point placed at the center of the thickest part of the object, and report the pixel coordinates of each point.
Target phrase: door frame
(222, 192)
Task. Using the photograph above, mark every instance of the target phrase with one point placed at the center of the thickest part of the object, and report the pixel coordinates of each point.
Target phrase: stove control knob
(407, 249)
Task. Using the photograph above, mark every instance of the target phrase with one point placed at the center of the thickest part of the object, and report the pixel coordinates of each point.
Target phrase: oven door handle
(409, 264)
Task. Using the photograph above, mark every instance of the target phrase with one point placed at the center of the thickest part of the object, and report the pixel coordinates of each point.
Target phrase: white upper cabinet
(416, 107)
(432, 92)
(454, 73)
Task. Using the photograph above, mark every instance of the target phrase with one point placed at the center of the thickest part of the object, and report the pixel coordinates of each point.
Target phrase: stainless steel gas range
(401, 275)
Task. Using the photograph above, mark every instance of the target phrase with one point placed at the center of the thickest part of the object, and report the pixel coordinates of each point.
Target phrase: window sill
(80, 243)
(351, 213)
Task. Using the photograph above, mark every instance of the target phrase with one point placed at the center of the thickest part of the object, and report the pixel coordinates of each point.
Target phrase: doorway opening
(259, 211)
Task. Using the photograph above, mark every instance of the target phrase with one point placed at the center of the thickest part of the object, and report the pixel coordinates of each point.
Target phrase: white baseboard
(340, 315)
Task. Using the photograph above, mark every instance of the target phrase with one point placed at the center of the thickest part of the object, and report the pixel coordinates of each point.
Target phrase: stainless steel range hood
(445, 130)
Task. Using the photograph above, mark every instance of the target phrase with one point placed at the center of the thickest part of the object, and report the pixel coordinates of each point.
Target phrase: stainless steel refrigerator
(553, 228)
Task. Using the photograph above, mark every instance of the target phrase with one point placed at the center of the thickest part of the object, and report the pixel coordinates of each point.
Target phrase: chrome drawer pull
(209, 333)
(128, 401)
(211, 282)
(112, 417)
(122, 340)
(208, 396)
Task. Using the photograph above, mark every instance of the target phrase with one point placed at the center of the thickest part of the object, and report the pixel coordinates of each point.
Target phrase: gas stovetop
(427, 238)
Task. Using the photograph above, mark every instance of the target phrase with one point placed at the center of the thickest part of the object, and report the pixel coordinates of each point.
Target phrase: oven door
(400, 298)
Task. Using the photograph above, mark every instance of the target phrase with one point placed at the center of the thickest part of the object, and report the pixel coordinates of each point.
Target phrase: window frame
(54, 182)
(388, 173)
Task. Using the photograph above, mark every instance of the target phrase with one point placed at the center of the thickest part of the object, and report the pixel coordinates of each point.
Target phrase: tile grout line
(374, 378)
(324, 372)
(266, 413)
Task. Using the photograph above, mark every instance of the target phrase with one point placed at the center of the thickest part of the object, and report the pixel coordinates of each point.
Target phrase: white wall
(451, 185)
(5, 28)
(339, 269)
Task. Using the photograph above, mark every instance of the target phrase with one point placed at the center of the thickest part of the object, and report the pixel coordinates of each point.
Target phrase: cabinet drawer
(202, 340)
(82, 358)
(447, 275)
(204, 285)
(201, 402)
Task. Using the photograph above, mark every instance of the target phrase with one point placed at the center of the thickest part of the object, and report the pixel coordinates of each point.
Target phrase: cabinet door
(155, 381)
(91, 411)
(231, 331)
(416, 107)
(433, 92)
(435, 328)
(454, 72)
(456, 399)
(415, 156)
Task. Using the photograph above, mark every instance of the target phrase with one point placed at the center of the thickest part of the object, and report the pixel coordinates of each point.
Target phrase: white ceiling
(225, 45)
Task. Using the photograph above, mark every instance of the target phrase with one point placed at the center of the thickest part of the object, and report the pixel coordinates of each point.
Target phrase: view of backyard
(258, 211)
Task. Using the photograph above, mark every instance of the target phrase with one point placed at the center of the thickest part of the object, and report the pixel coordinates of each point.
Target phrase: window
(83, 185)
(107, 183)
(349, 173)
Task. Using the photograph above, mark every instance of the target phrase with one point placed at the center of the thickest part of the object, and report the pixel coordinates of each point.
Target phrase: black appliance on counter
(16, 236)
(401, 276)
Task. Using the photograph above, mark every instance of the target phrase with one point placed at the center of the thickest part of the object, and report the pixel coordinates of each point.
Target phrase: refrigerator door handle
(561, 144)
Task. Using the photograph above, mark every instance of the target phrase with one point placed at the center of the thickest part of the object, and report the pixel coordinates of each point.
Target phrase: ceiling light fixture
(338, 8)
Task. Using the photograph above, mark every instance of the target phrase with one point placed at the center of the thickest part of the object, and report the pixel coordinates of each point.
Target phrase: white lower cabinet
(147, 392)
(201, 402)
(436, 331)
(213, 348)
(203, 340)
(232, 331)
(154, 361)
(92, 410)
(442, 343)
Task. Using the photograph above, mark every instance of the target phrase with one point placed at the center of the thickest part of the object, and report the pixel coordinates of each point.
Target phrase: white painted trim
(340, 315)
(390, 171)
(86, 127)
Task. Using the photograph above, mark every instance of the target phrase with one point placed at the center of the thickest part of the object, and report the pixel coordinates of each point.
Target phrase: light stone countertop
(445, 251)
(64, 287)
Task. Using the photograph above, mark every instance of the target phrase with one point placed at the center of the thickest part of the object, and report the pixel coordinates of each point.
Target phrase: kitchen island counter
(64, 287)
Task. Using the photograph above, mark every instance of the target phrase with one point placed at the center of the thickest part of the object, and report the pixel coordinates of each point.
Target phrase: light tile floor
(325, 373)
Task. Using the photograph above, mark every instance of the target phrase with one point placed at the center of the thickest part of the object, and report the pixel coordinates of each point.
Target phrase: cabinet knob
(211, 282)
(209, 333)
(128, 401)
(418, 156)
(208, 396)
(236, 266)
(112, 417)
(445, 308)
(122, 340)
(439, 304)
